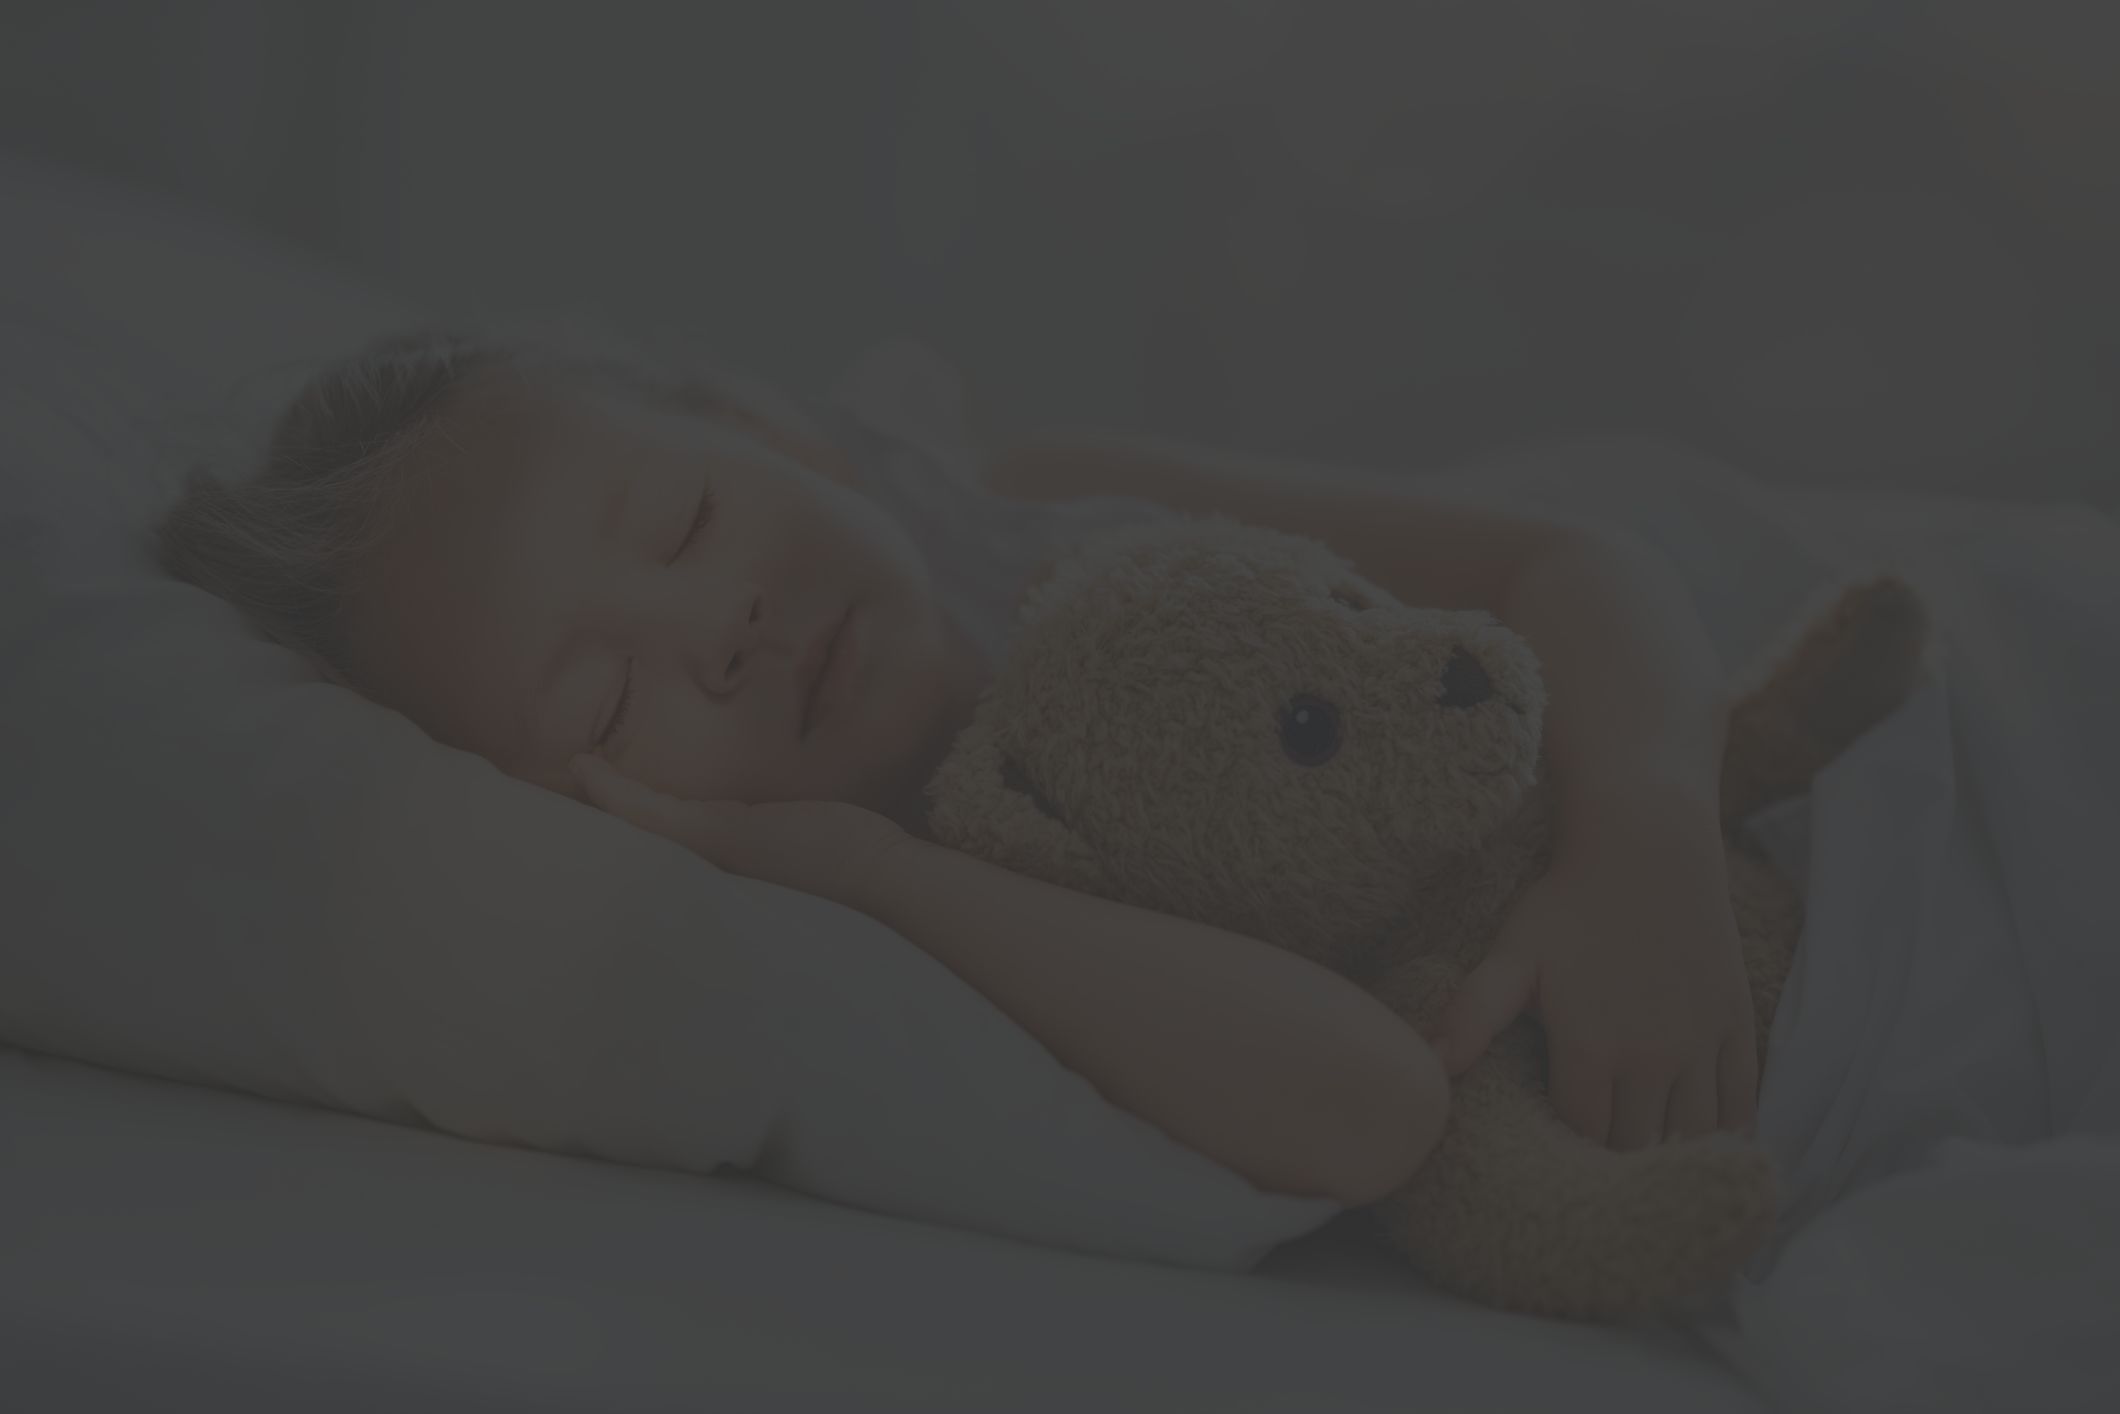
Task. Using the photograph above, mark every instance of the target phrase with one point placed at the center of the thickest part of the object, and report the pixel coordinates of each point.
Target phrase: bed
(177, 1245)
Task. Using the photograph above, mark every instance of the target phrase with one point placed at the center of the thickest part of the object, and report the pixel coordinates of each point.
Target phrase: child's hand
(1628, 953)
(821, 847)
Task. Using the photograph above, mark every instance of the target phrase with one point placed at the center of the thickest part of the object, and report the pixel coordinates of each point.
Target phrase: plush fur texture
(1232, 725)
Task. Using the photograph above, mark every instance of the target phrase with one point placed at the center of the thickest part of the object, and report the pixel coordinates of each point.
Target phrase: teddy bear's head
(1230, 724)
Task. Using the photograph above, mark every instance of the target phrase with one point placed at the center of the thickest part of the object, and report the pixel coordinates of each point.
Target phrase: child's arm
(1629, 950)
(1276, 1067)
(1270, 1065)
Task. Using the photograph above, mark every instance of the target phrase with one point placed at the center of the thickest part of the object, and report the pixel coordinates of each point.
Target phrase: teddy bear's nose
(1465, 682)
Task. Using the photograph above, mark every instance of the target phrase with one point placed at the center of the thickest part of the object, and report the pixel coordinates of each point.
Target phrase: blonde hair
(282, 544)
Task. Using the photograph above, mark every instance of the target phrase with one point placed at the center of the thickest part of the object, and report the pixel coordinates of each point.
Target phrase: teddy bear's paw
(1620, 1236)
(1688, 1214)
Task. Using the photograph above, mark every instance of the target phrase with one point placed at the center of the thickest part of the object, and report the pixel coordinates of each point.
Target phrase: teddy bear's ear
(984, 802)
(1093, 558)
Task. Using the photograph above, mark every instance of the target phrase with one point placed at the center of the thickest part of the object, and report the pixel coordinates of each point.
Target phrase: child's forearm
(1638, 706)
(1272, 1066)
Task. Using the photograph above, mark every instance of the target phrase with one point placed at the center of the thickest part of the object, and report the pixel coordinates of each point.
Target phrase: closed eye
(609, 733)
(1350, 598)
(703, 514)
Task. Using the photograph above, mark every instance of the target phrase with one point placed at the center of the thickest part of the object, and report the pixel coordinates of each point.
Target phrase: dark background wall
(1834, 240)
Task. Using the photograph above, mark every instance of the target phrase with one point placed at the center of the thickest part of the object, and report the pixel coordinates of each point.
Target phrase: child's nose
(726, 638)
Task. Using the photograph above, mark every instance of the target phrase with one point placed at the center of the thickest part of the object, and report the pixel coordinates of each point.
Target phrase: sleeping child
(755, 626)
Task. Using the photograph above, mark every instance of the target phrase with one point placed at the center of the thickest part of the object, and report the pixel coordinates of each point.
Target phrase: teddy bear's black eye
(1310, 730)
(1015, 778)
(1350, 598)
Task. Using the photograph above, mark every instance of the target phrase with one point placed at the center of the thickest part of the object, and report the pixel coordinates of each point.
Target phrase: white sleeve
(899, 414)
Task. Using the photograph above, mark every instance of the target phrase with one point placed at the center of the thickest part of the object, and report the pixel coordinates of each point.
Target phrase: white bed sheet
(263, 1256)
(1947, 1095)
(160, 1239)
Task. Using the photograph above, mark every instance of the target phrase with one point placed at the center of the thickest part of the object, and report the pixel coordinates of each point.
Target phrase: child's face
(544, 592)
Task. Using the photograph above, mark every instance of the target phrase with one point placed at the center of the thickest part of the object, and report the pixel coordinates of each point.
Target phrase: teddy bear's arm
(1516, 1209)
(1848, 668)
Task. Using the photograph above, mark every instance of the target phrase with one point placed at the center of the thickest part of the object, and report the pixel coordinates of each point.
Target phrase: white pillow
(216, 869)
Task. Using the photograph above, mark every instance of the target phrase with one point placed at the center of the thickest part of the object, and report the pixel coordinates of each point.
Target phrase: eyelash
(704, 514)
(700, 519)
(618, 718)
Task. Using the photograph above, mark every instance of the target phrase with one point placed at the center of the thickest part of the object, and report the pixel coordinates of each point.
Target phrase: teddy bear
(1230, 724)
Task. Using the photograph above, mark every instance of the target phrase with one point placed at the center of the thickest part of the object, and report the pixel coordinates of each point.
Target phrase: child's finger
(611, 790)
(689, 822)
(1581, 1082)
(710, 829)
(1638, 1110)
(1496, 993)
(1738, 1078)
(1692, 1108)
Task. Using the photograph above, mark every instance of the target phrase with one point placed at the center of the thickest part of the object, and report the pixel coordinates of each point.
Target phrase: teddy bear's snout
(1465, 682)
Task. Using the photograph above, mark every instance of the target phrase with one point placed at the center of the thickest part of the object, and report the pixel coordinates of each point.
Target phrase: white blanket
(1949, 1066)
(1944, 1089)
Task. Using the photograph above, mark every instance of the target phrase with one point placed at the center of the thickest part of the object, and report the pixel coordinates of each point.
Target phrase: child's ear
(982, 801)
